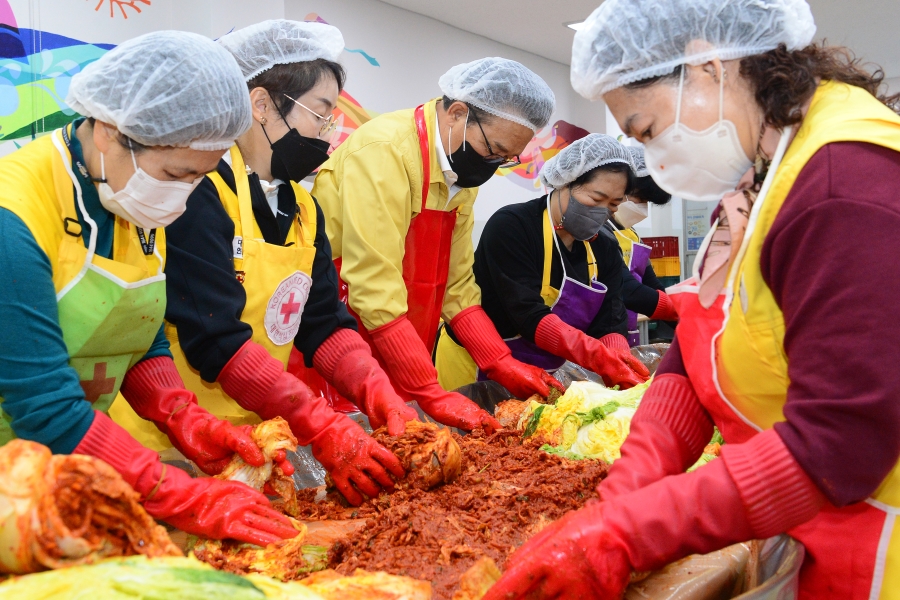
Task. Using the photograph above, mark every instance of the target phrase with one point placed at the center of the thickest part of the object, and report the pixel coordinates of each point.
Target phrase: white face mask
(145, 201)
(697, 165)
(630, 213)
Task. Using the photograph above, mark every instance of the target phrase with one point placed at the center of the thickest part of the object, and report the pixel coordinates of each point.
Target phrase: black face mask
(295, 156)
(470, 167)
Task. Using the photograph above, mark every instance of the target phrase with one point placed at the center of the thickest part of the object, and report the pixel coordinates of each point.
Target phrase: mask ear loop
(722, 97)
(465, 126)
(133, 159)
(678, 104)
(562, 216)
(450, 142)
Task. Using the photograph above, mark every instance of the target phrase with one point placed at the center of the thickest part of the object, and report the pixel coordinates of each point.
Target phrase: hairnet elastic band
(503, 115)
(695, 59)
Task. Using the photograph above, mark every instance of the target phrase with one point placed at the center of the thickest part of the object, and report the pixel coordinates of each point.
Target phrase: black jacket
(204, 298)
(641, 298)
(509, 265)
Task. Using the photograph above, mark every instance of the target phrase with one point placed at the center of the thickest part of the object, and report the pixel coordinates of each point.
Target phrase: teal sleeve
(160, 345)
(42, 396)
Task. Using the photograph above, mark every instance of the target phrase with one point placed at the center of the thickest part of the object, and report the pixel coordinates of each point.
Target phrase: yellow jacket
(369, 190)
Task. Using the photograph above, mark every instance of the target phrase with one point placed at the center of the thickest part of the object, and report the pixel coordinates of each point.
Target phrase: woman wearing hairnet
(549, 283)
(398, 195)
(775, 341)
(250, 273)
(642, 291)
(81, 216)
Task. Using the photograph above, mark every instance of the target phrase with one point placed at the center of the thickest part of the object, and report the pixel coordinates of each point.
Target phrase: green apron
(110, 310)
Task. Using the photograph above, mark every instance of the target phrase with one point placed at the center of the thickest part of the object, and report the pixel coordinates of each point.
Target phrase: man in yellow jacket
(398, 196)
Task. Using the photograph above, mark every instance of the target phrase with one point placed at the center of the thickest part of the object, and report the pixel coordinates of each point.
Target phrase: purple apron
(577, 304)
(640, 258)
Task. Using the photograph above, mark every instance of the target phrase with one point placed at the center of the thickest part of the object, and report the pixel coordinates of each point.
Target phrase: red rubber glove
(478, 335)
(409, 365)
(155, 391)
(205, 507)
(576, 557)
(345, 360)
(667, 436)
(754, 491)
(665, 308)
(614, 364)
(259, 383)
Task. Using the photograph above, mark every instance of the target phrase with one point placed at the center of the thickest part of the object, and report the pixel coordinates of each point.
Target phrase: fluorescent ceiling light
(576, 25)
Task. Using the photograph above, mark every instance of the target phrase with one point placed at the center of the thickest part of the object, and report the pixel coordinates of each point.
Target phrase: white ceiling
(869, 27)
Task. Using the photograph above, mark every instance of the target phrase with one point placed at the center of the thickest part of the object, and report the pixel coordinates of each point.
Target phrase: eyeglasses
(329, 124)
(495, 159)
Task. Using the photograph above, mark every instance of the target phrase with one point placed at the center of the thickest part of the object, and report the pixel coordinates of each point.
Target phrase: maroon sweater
(832, 262)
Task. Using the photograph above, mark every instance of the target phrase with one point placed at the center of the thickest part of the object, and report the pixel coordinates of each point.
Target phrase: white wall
(893, 85)
(413, 52)
(212, 18)
(33, 90)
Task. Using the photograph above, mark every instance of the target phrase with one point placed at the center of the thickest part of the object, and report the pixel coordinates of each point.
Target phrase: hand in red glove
(576, 557)
(614, 364)
(667, 436)
(205, 507)
(258, 383)
(345, 360)
(409, 365)
(754, 491)
(478, 335)
(155, 391)
(665, 308)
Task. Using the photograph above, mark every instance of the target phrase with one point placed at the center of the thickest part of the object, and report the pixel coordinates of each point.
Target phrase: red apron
(426, 265)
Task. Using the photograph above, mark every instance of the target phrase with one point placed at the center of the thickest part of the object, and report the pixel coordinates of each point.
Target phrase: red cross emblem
(99, 385)
(289, 309)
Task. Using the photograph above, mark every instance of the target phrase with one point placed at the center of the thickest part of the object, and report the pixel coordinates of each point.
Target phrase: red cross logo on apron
(99, 385)
(285, 307)
(290, 308)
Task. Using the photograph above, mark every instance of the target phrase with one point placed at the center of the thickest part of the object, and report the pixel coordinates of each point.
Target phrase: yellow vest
(751, 361)
(36, 187)
(109, 309)
(627, 238)
(269, 274)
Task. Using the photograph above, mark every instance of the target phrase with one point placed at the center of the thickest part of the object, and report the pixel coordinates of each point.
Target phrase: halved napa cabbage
(588, 421)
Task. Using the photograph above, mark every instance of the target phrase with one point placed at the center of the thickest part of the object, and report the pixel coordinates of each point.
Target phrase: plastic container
(662, 246)
(666, 266)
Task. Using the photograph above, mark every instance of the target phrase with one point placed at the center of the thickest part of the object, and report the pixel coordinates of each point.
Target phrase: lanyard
(147, 243)
(78, 164)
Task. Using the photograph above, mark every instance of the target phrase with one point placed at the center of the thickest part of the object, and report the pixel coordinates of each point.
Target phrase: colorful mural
(546, 144)
(122, 5)
(36, 68)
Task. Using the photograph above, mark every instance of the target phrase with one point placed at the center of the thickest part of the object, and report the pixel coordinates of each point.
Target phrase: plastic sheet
(570, 372)
(486, 394)
(767, 570)
(651, 355)
(778, 569)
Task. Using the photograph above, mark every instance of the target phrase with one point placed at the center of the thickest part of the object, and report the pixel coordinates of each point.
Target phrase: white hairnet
(260, 47)
(501, 87)
(166, 88)
(581, 156)
(638, 164)
(624, 41)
